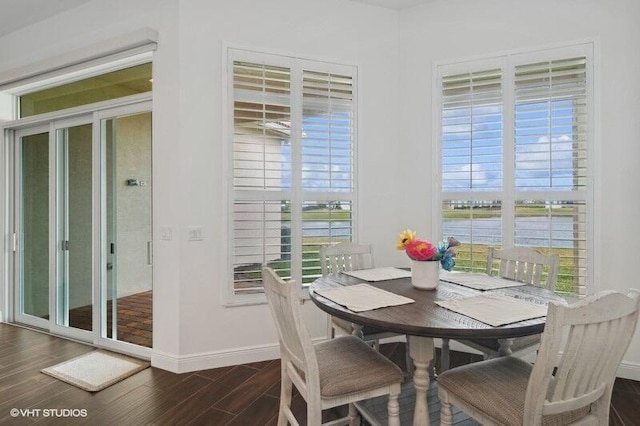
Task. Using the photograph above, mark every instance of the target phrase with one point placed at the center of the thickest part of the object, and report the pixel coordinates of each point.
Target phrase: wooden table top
(424, 317)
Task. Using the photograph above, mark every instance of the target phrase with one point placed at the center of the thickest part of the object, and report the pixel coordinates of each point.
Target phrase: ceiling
(393, 4)
(16, 14)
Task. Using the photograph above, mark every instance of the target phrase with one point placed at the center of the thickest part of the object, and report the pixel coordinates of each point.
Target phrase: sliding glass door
(83, 231)
(74, 248)
(128, 246)
(31, 244)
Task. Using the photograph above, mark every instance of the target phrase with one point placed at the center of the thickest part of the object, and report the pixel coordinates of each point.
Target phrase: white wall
(192, 327)
(357, 35)
(452, 29)
(395, 53)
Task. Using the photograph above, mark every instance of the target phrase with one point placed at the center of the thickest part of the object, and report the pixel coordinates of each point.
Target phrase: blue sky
(326, 153)
(472, 147)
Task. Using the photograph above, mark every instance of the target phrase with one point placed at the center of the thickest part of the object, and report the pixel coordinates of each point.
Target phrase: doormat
(96, 370)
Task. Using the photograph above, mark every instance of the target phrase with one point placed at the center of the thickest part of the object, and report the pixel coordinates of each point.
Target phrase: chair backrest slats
(345, 257)
(295, 343)
(582, 347)
(524, 265)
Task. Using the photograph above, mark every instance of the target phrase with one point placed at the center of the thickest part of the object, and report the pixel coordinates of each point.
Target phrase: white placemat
(478, 281)
(379, 274)
(363, 297)
(495, 309)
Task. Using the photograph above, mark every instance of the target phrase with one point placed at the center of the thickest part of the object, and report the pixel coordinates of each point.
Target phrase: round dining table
(423, 320)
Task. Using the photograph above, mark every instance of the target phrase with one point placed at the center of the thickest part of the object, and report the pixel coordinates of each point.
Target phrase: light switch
(195, 233)
(166, 233)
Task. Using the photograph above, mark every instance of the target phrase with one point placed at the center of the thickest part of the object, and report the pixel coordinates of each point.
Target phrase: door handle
(149, 252)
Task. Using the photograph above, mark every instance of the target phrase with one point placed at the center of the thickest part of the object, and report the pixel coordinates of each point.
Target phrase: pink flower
(420, 250)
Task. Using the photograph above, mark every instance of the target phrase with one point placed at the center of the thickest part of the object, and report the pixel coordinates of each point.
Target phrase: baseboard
(216, 359)
(207, 360)
(249, 354)
(204, 361)
(629, 370)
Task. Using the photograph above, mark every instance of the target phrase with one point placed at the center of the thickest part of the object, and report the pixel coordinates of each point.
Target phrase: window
(293, 171)
(106, 86)
(515, 135)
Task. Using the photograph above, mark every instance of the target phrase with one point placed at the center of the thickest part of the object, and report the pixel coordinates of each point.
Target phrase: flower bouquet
(425, 271)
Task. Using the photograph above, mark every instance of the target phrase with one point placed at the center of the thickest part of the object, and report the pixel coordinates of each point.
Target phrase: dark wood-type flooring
(135, 318)
(237, 395)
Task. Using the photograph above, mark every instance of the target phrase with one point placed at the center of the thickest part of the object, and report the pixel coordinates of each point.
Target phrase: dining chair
(349, 257)
(521, 264)
(328, 374)
(571, 380)
(525, 265)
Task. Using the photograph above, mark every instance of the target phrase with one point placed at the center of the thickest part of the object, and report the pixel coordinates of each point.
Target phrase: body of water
(530, 231)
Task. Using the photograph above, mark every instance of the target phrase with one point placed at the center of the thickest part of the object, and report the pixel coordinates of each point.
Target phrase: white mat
(96, 370)
(363, 297)
(478, 281)
(379, 274)
(495, 309)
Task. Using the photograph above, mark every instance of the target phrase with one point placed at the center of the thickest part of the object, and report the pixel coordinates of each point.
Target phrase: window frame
(508, 196)
(297, 195)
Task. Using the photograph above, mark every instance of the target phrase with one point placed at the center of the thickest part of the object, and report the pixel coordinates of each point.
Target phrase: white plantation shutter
(261, 133)
(327, 132)
(472, 131)
(258, 239)
(551, 129)
(557, 227)
(551, 125)
(480, 227)
(261, 128)
(471, 162)
(292, 164)
(327, 163)
(515, 158)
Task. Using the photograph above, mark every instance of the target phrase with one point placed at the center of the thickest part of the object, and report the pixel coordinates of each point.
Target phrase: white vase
(425, 275)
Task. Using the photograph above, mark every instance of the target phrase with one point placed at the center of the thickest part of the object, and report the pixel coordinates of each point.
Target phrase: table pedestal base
(421, 352)
(374, 411)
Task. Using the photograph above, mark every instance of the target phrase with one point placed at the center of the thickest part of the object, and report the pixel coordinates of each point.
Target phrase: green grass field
(468, 258)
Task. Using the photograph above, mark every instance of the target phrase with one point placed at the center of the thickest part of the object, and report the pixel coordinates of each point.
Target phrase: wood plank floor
(135, 318)
(239, 395)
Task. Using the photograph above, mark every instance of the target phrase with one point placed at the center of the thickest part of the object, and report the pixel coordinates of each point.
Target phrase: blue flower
(447, 261)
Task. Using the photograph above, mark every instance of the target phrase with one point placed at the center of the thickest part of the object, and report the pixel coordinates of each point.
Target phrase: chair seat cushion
(348, 365)
(497, 388)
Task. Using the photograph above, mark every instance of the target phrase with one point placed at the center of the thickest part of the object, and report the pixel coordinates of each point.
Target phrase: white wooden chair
(520, 264)
(572, 379)
(328, 374)
(349, 257)
(525, 265)
(352, 257)
(345, 257)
